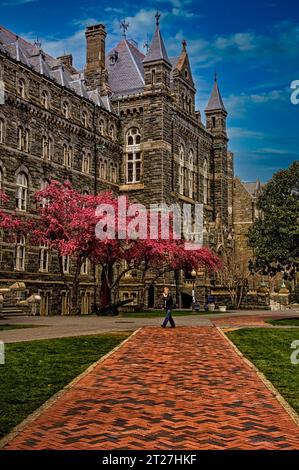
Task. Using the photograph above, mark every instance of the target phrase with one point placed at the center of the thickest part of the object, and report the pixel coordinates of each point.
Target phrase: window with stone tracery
(133, 156)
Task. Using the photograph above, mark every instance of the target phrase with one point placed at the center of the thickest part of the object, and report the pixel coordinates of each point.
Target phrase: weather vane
(124, 26)
(157, 16)
(146, 45)
(37, 43)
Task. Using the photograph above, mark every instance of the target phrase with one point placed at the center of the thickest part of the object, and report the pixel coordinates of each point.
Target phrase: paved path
(59, 326)
(165, 389)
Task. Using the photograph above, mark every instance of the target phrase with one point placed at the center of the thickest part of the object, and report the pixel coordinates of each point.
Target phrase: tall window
(112, 131)
(102, 126)
(23, 138)
(44, 258)
(85, 119)
(113, 172)
(66, 264)
(85, 268)
(191, 174)
(205, 182)
(86, 159)
(2, 129)
(20, 253)
(67, 155)
(44, 185)
(133, 152)
(22, 192)
(65, 303)
(103, 169)
(45, 100)
(26, 140)
(181, 169)
(47, 147)
(65, 109)
(21, 88)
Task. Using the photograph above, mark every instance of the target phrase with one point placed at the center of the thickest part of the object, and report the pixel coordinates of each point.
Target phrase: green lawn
(35, 370)
(7, 326)
(285, 321)
(270, 352)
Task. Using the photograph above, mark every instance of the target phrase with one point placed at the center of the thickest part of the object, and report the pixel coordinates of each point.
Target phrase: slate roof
(215, 102)
(253, 188)
(32, 56)
(126, 75)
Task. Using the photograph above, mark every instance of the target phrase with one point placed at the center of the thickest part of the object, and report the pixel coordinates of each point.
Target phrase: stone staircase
(12, 311)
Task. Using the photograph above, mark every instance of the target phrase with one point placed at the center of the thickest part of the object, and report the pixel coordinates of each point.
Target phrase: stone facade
(128, 123)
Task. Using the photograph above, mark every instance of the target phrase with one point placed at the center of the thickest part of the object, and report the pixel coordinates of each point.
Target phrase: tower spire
(157, 49)
(215, 102)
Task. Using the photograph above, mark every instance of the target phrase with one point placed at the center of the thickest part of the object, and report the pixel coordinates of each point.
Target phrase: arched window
(20, 253)
(85, 119)
(102, 126)
(44, 184)
(205, 182)
(20, 138)
(26, 140)
(45, 147)
(2, 130)
(66, 264)
(23, 139)
(133, 156)
(21, 88)
(191, 174)
(85, 268)
(113, 172)
(1, 181)
(86, 159)
(45, 100)
(181, 169)
(112, 131)
(65, 109)
(67, 155)
(22, 192)
(50, 148)
(44, 258)
(103, 169)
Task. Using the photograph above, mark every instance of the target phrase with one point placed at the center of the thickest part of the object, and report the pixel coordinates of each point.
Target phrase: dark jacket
(168, 302)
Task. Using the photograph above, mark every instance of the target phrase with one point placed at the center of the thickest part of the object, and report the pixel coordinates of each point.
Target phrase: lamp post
(193, 274)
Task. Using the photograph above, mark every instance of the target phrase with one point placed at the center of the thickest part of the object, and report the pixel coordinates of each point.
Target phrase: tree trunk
(74, 304)
(105, 290)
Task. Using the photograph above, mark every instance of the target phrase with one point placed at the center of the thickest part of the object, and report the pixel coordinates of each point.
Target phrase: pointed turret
(215, 102)
(157, 66)
(183, 84)
(216, 113)
(157, 50)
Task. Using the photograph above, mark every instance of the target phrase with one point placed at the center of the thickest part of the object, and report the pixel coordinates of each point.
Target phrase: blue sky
(252, 44)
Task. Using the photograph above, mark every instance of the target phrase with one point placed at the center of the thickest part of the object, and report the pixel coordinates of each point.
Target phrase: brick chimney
(95, 56)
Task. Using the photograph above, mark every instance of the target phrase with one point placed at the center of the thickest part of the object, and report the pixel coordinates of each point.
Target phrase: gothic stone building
(128, 123)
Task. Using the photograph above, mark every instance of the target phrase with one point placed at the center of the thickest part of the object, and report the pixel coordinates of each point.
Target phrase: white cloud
(240, 133)
(12, 3)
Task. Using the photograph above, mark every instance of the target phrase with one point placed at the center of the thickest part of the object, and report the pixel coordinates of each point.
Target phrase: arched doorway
(186, 300)
(151, 296)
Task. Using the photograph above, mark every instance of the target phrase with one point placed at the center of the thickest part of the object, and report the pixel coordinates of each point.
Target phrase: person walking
(168, 306)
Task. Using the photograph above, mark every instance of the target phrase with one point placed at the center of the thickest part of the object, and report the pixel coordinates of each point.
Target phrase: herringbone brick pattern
(166, 389)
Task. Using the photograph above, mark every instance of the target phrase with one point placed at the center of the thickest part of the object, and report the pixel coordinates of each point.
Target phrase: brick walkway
(165, 389)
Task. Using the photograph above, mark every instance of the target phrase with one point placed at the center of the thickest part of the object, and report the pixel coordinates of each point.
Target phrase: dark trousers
(168, 318)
